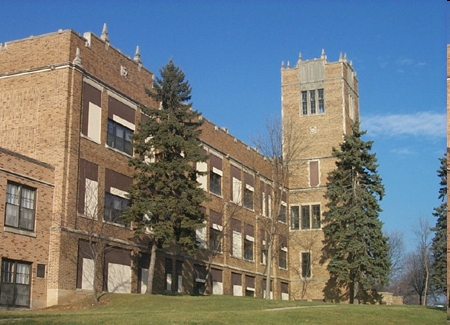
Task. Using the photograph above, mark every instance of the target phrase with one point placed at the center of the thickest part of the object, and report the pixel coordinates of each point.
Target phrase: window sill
(90, 139)
(117, 225)
(20, 232)
(118, 151)
(215, 194)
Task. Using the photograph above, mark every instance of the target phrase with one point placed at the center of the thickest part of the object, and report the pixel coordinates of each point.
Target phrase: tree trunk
(151, 270)
(269, 269)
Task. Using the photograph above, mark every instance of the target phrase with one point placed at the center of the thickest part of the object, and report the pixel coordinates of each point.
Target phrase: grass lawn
(146, 309)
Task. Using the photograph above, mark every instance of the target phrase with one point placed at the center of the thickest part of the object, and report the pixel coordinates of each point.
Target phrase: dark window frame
(215, 183)
(112, 212)
(17, 201)
(304, 102)
(13, 281)
(215, 240)
(295, 217)
(248, 198)
(306, 265)
(248, 250)
(122, 143)
(312, 99)
(321, 100)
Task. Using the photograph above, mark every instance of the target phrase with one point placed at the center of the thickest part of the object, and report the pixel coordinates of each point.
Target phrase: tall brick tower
(319, 105)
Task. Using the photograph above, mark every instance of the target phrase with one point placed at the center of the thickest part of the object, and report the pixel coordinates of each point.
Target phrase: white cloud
(428, 124)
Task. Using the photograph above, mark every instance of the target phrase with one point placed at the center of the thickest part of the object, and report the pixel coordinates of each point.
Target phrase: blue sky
(231, 52)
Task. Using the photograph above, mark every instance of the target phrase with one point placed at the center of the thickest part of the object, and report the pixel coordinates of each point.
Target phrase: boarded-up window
(88, 189)
(117, 270)
(314, 173)
(217, 285)
(92, 112)
(199, 273)
(236, 238)
(236, 185)
(202, 168)
(236, 282)
(284, 291)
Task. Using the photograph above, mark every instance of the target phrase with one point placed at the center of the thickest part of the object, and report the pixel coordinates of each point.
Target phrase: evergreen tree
(165, 196)
(439, 244)
(354, 243)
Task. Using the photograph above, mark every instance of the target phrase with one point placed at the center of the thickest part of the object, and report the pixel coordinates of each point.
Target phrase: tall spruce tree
(355, 246)
(439, 244)
(165, 197)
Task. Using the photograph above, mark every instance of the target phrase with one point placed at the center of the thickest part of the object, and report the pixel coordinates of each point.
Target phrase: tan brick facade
(63, 98)
(30, 246)
(320, 127)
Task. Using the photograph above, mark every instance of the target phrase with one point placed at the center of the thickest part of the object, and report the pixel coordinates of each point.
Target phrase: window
(306, 265)
(310, 217)
(236, 238)
(15, 284)
(237, 244)
(200, 235)
(248, 249)
(314, 100)
(215, 181)
(215, 241)
(20, 206)
(215, 174)
(305, 217)
(114, 206)
(249, 189)
(215, 231)
(202, 169)
(248, 197)
(305, 103)
(282, 217)
(40, 271)
(312, 97)
(282, 257)
(119, 137)
(92, 111)
(295, 219)
(263, 247)
(237, 185)
(315, 216)
(313, 173)
(321, 101)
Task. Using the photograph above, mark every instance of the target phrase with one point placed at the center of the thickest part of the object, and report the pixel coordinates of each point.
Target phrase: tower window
(312, 97)
(305, 103)
(321, 101)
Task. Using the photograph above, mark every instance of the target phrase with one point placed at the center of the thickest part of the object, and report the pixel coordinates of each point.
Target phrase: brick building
(68, 104)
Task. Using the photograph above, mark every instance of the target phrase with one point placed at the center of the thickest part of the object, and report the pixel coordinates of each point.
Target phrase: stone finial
(340, 56)
(137, 55)
(322, 55)
(104, 35)
(288, 64)
(299, 56)
(77, 60)
(282, 64)
(345, 57)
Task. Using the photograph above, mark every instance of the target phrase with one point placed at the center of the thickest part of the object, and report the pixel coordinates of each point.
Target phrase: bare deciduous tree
(281, 144)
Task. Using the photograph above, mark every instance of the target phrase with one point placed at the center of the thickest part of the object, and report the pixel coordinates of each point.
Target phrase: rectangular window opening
(20, 206)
